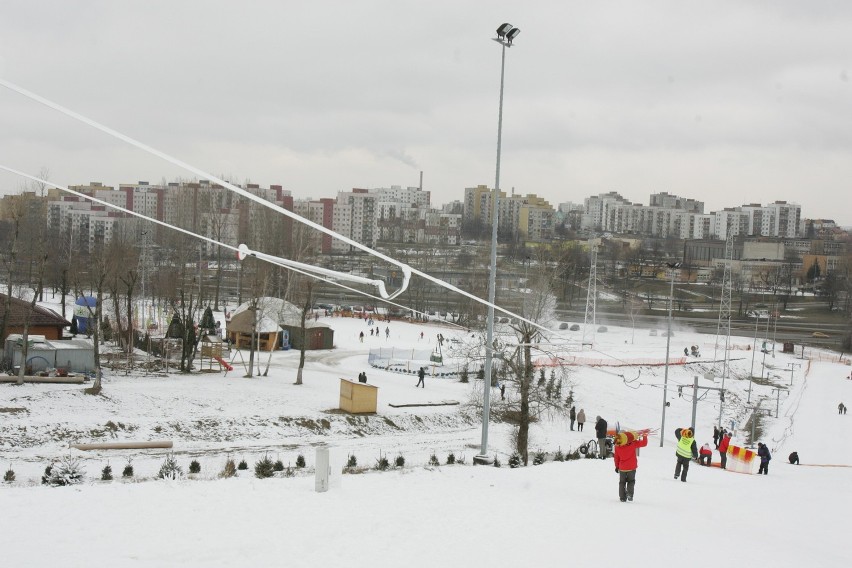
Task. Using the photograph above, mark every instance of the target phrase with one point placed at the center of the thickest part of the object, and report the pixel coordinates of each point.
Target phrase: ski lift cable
(294, 266)
(406, 269)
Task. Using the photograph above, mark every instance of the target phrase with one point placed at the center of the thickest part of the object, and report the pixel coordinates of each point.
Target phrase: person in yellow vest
(687, 450)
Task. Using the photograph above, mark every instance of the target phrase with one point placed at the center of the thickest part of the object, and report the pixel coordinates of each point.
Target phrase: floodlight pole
(672, 267)
(492, 277)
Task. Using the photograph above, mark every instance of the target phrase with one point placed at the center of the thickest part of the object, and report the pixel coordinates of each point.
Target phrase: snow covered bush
(170, 469)
(9, 477)
(264, 468)
(399, 461)
(382, 463)
(300, 461)
(515, 460)
(558, 456)
(194, 467)
(230, 469)
(433, 460)
(279, 466)
(106, 473)
(67, 472)
(352, 461)
(451, 458)
(539, 457)
(243, 465)
(128, 469)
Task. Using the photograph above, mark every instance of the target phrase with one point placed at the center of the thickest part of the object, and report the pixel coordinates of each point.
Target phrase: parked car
(575, 327)
(563, 325)
(820, 334)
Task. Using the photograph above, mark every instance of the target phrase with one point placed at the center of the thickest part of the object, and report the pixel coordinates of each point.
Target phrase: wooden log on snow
(124, 445)
(69, 380)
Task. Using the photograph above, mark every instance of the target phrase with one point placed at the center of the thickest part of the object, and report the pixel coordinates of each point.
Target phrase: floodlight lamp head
(503, 30)
(512, 34)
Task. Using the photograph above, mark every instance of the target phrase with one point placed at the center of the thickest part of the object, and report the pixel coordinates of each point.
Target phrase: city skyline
(730, 104)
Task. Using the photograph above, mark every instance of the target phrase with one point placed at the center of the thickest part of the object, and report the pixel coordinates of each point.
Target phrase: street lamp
(672, 267)
(505, 34)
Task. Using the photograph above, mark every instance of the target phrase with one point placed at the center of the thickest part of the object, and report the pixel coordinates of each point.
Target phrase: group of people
(362, 377)
(627, 444)
(841, 408)
(691, 350)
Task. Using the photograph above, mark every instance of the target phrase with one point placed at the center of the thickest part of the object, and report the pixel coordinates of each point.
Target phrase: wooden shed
(42, 321)
(266, 315)
(358, 398)
(317, 335)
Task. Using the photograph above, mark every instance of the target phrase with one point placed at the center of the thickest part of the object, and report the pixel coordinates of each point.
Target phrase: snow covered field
(548, 515)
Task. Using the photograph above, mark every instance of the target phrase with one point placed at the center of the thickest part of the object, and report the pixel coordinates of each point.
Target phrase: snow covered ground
(551, 514)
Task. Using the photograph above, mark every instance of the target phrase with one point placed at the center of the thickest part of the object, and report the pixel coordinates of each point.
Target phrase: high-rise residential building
(477, 204)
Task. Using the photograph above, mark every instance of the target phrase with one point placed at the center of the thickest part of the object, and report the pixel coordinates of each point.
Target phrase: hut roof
(40, 316)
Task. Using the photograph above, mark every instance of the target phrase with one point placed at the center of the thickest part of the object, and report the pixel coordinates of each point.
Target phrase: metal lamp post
(505, 35)
(672, 267)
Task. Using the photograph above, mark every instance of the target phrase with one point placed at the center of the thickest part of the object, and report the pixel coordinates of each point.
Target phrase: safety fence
(740, 459)
(606, 362)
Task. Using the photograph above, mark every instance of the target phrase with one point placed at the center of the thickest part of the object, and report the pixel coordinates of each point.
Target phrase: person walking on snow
(840, 408)
(361, 337)
(600, 433)
(581, 419)
(573, 416)
(723, 448)
(763, 452)
(716, 435)
(387, 332)
(421, 375)
(626, 462)
(687, 450)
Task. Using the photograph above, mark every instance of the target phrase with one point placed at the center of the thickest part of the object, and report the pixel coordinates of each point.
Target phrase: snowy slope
(453, 515)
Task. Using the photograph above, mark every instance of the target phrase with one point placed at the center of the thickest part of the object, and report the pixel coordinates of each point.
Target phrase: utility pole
(695, 388)
(777, 400)
(792, 367)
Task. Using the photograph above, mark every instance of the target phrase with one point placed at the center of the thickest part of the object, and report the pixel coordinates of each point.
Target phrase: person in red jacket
(723, 447)
(705, 454)
(626, 462)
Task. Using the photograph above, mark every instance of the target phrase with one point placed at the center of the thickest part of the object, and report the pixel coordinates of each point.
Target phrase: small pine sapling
(45, 479)
(9, 476)
(451, 458)
(264, 468)
(497, 461)
(194, 467)
(128, 469)
(352, 461)
(279, 466)
(539, 457)
(67, 472)
(289, 472)
(433, 460)
(300, 461)
(170, 468)
(464, 375)
(243, 465)
(559, 456)
(106, 473)
(230, 469)
(382, 463)
(399, 461)
(515, 460)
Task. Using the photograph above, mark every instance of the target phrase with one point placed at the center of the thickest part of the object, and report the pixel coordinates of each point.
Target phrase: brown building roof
(40, 316)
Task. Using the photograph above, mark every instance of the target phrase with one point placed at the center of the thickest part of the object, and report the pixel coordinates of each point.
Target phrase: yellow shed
(358, 398)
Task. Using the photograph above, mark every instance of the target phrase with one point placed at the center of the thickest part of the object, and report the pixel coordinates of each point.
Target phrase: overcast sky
(726, 102)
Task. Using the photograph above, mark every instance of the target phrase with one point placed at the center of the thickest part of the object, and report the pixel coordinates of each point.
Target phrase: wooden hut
(317, 335)
(265, 317)
(42, 321)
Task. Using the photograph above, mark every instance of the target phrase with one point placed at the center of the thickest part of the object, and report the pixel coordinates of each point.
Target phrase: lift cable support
(407, 269)
(591, 296)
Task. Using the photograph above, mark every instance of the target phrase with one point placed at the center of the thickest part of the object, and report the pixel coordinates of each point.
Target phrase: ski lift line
(406, 269)
(244, 251)
(207, 239)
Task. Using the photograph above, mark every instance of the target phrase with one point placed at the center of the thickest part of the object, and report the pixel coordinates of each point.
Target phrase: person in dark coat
(794, 458)
(421, 375)
(763, 452)
(503, 391)
(573, 416)
(716, 435)
(600, 434)
(687, 450)
(362, 377)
